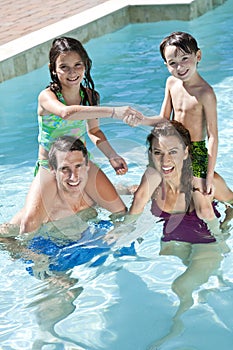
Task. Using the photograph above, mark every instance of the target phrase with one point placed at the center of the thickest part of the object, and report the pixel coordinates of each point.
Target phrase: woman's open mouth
(168, 169)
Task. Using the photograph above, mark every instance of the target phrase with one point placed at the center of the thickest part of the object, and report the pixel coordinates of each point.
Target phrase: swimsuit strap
(61, 98)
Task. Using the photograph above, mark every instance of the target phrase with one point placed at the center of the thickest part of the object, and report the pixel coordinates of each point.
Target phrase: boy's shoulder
(206, 88)
(171, 81)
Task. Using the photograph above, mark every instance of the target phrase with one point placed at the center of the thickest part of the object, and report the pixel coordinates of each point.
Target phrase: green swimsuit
(199, 155)
(52, 126)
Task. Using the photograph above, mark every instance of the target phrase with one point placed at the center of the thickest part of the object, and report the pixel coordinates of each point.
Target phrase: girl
(69, 106)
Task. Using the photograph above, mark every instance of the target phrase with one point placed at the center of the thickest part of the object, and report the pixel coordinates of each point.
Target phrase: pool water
(126, 302)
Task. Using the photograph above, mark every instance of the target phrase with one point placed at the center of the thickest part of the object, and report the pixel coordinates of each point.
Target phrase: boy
(190, 100)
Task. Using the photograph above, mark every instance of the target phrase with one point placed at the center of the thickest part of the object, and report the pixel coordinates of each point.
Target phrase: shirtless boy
(190, 100)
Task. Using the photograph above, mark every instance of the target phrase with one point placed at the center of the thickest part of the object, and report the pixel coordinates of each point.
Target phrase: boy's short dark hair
(184, 41)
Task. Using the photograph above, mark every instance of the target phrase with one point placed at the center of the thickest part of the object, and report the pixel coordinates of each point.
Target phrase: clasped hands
(129, 115)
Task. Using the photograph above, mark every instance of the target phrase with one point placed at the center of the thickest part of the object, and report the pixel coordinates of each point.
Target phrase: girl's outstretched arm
(48, 103)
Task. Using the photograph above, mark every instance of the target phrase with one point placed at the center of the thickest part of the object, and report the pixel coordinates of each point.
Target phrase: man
(68, 161)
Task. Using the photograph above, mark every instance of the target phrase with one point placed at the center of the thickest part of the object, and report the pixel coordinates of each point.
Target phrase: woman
(167, 181)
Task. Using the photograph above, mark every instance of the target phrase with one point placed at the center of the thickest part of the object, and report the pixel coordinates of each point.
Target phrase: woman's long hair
(174, 128)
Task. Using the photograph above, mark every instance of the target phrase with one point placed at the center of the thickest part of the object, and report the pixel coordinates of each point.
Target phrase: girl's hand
(132, 120)
(119, 165)
(128, 115)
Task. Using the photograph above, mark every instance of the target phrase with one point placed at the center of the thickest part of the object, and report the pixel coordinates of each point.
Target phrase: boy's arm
(166, 108)
(165, 111)
(210, 112)
(149, 182)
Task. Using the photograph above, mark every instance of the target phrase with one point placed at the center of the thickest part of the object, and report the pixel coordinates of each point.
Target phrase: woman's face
(70, 69)
(168, 154)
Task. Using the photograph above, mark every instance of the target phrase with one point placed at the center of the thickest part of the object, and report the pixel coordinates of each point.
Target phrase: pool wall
(30, 52)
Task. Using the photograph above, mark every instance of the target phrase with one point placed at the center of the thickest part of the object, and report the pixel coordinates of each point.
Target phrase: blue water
(127, 302)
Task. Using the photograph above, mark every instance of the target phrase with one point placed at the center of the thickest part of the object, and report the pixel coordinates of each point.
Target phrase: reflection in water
(53, 298)
(202, 261)
(50, 255)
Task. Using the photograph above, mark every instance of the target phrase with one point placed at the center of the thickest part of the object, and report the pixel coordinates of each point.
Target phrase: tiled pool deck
(27, 27)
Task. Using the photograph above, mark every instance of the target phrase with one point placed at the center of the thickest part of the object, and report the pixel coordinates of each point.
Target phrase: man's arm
(39, 201)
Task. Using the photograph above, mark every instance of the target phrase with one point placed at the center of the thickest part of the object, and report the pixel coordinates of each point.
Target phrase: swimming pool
(127, 302)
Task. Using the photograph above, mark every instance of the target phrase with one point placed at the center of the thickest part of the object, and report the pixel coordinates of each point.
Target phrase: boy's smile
(180, 64)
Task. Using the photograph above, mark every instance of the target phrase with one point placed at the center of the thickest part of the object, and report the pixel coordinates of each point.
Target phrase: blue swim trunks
(63, 257)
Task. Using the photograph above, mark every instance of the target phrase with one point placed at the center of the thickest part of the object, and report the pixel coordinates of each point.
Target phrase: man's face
(72, 172)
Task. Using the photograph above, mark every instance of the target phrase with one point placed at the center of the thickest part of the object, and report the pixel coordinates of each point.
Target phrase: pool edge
(30, 52)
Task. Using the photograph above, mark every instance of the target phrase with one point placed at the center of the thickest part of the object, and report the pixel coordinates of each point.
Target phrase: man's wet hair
(66, 144)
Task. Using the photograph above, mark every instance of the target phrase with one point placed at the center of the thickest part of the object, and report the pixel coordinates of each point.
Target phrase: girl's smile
(70, 68)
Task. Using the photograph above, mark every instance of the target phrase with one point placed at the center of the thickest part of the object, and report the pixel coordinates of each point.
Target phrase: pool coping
(30, 52)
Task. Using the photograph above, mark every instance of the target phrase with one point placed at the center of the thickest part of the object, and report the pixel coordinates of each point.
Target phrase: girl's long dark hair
(63, 45)
(174, 128)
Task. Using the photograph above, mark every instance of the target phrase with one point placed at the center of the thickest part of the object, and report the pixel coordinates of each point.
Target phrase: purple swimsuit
(185, 227)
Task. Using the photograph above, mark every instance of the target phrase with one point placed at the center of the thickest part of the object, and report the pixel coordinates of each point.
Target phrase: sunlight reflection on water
(127, 302)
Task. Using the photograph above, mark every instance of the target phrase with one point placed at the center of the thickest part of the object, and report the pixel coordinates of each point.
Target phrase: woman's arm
(149, 182)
